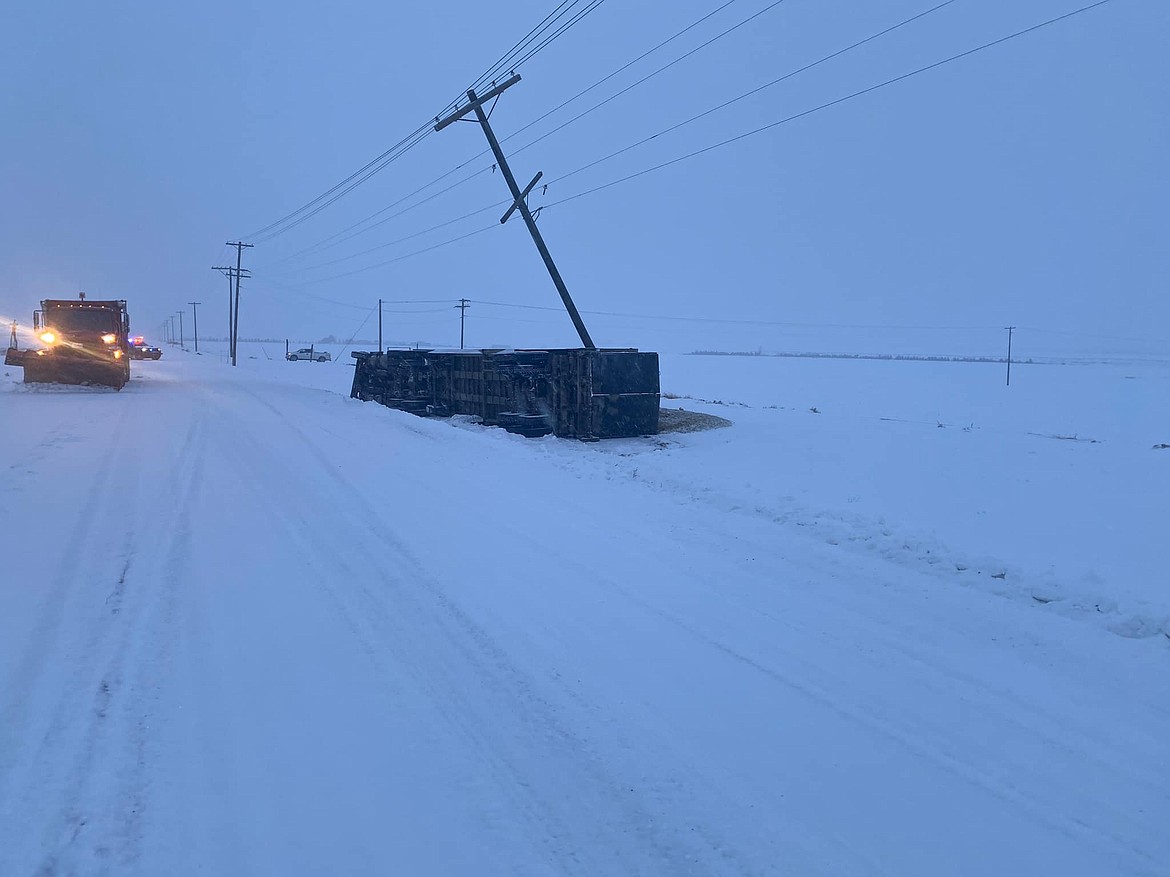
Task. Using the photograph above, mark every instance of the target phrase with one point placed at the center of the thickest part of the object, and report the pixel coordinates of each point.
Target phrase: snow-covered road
(253, 627)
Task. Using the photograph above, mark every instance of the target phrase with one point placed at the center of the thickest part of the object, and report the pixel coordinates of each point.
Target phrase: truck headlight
(49, 337)
(109, 339)
(118, 353)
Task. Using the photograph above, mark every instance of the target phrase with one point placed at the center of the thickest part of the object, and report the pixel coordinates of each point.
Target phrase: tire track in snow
(865, 536)
(1027, 786)
(408, 620)
(93, 759)
(44, 642)
(773, 659)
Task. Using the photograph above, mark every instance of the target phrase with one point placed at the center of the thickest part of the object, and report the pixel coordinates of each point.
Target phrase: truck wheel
(320, 359)
(292, 357)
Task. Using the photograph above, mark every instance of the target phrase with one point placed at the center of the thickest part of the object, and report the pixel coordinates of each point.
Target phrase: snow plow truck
(84, 342)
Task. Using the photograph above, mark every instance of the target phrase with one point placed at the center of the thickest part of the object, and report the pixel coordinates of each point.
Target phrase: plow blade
(16, 357)
(54, 370)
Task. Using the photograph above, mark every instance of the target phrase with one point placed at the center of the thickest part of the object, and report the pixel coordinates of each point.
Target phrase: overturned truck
(585, 393)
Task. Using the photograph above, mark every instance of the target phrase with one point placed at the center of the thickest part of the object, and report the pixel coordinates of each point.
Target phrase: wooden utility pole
(463, 305)
(240, 246)
(233, 302)
(1010, 329)
(519, 198)
(380, 350)
(195, 317)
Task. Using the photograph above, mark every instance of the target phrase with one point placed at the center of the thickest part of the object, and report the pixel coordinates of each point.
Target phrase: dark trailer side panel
(571, 393)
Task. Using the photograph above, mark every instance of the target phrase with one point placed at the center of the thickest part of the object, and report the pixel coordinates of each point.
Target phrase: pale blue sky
(1026, 184)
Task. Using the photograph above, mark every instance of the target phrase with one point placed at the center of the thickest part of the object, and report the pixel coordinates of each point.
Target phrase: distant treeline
(914, 357)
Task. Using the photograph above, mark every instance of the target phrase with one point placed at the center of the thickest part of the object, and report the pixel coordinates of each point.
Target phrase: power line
(325, 241)
(1095, 335)
(400, 258)
(502, 63)
(738, 137)
(332, 240)
(408, 237)
(823, 106)
(342, 188)
(372, 167)
(519, 54)
(621, 69)
(652, 74)
(607, 100)
(573, 21)
(734, 100)
(748, 322)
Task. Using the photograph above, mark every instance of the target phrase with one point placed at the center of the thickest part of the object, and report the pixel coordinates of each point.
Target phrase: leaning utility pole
(463, 305)
(195, 317)
(519, 198)
(239, 245)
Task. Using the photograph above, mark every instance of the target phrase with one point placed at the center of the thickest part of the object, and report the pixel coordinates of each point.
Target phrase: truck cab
(85, 342)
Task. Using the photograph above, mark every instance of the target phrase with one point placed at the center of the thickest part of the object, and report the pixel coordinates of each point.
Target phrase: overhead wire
(337, 238)
(445, 243)
(505, 60)
(408, 237)
(374, 166)
(705, 44)
(739, 137)
(688, 54)
(652, 74)
(753, 321)
(338, 190)
(809, 112)
(569, 24)
(733, 100)
(619, 70)
(333, 240)
(516, 58)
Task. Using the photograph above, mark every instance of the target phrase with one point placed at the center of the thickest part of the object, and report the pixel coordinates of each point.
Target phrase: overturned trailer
(586, 393)
(571, 393)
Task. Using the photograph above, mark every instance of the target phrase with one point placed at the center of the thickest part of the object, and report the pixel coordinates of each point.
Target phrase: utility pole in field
(195, 317)
(380, 349)
(171, 320)
(519, 198)
(240, 246)
(1010, 329)
(182, 340)
(463, 305)
(233, 302)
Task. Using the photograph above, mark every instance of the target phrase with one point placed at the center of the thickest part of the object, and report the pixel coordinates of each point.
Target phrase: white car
(309, 353)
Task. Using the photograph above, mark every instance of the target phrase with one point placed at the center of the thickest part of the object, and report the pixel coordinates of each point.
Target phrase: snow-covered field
(897, 619)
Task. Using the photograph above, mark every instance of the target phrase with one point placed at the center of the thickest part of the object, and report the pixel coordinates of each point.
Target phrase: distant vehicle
(309, 353)
(139, 349)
